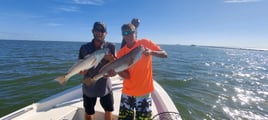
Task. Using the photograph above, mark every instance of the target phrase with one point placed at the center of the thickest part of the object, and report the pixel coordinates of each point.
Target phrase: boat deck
(68, 105)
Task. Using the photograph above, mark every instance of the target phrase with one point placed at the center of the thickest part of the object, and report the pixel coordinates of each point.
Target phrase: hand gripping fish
(91, 60)
(118, 65)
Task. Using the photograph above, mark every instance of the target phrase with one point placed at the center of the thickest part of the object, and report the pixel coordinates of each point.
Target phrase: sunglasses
(99, 30)
(125, 33)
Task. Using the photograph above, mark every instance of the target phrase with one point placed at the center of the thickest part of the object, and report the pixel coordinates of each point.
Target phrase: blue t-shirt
(102, 86)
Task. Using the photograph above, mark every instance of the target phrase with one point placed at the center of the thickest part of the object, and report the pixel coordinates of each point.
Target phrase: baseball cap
(100, 27)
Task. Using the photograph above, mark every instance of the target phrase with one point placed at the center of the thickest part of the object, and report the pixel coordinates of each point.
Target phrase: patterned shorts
(141, 104)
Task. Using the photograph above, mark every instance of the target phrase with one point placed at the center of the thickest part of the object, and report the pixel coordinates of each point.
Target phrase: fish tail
(61, 79)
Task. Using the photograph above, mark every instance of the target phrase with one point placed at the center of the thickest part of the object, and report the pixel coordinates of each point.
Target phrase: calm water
(204, 82)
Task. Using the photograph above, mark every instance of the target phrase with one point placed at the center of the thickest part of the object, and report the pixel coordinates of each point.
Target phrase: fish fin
(61, 79)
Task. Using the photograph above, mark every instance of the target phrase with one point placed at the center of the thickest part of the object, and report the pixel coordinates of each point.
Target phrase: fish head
(137, 53)
(102, 52)
(88, 81)
(99, 55)
(106, 50)
(141, 47)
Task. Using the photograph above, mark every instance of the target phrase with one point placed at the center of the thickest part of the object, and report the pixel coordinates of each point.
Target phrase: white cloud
(89, 2)
(69, 9)
(53, 24)
(240, 1)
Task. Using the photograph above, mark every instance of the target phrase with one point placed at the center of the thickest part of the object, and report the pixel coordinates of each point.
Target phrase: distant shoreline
(257, 49)
(192, 45)
(226, 47)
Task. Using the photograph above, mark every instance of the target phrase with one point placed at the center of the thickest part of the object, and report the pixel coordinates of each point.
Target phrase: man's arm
(159, 53)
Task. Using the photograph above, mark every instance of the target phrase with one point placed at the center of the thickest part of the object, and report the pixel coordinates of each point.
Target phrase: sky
(227, 23)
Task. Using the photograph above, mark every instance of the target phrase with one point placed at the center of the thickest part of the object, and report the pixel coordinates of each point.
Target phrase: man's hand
(147, 52)
(109, 57)
(111, 73)
(159, 53)
(84, 72)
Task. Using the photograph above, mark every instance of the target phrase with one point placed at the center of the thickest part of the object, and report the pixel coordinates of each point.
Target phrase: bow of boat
(68, 105)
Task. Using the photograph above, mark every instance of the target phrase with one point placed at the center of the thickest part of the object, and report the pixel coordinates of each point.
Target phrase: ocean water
(204, 82)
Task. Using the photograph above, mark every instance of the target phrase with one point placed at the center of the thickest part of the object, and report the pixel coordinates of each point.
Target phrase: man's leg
(89, 104)
(107, 102)
(126, 110)
(144, 107)
(89, 117)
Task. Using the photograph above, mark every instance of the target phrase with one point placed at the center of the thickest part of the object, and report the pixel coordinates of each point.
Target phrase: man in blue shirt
(101, 88)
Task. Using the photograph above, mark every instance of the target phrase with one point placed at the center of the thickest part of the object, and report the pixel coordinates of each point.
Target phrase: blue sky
(232, 23)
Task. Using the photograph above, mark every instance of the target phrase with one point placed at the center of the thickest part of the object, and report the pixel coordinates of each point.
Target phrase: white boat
(68, 105)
